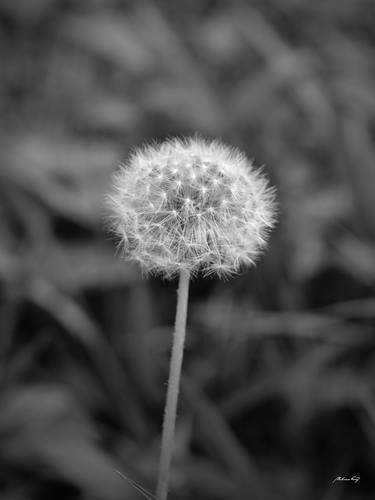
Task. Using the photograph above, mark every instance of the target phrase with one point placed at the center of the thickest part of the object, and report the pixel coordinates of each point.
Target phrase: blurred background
(278, 392)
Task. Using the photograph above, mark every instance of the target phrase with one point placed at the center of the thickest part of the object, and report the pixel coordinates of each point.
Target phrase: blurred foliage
(278, 395)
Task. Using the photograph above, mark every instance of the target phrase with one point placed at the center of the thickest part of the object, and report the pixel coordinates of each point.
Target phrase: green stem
(169, 422)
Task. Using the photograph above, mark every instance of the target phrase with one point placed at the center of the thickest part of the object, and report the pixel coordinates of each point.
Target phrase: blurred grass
(278, 397)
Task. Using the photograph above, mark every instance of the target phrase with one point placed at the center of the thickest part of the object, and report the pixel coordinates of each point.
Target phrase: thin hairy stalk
(169, 422)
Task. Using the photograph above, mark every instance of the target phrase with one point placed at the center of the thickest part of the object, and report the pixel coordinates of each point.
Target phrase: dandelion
(191, 206)
(186, 207)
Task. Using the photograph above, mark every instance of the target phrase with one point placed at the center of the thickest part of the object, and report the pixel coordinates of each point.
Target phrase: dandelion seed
(217, 180)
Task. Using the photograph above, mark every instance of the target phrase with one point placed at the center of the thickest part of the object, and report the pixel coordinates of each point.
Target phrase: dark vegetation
(278, 396)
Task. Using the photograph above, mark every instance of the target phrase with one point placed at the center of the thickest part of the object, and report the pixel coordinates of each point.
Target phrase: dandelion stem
(173, 387)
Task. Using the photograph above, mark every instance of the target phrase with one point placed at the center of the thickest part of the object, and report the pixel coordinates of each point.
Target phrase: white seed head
(210, 211)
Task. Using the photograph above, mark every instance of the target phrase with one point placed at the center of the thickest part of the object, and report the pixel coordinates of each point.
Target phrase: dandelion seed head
(191, 205)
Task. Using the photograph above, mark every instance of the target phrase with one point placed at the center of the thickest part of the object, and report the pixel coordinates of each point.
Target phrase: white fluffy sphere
(190, 204)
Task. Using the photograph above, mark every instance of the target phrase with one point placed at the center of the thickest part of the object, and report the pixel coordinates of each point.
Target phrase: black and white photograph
(187, 250)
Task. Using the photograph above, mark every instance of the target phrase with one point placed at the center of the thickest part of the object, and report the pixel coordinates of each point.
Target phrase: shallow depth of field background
(278, 393)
